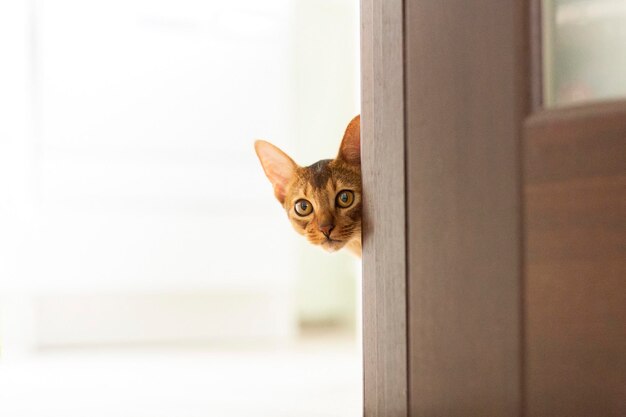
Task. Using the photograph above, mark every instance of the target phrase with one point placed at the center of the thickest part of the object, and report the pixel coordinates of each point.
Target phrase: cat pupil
(344, 197)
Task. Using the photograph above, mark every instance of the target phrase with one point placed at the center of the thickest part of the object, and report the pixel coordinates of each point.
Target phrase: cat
(323, 200)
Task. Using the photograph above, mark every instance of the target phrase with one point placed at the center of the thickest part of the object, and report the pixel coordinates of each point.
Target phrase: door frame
(383, 173)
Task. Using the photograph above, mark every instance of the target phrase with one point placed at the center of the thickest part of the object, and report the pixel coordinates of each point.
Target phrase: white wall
(128, 169)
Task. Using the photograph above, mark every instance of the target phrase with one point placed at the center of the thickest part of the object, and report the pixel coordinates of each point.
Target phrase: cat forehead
(319, 173)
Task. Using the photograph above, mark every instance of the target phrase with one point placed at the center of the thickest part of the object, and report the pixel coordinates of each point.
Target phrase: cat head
(323, 200)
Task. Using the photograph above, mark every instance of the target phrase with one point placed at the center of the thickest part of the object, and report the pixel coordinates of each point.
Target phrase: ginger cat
(323, 200)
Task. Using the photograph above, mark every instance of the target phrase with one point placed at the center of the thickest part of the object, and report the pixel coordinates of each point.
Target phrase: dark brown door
(495, 242)
(575, 261)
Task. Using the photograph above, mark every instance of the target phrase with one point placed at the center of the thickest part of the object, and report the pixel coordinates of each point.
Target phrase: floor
(318, 376)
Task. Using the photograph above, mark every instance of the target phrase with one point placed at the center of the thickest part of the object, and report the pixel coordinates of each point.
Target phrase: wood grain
(575, 291)
(467, 94)
(384, 268)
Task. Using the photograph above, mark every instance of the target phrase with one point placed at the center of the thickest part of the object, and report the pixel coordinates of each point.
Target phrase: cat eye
(345, 198)
(303, 208)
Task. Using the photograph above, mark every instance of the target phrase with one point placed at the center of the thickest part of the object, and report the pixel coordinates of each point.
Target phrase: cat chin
(332, 246)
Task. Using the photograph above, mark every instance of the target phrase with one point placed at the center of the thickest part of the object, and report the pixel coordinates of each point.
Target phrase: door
(495, 238)
(574, 177)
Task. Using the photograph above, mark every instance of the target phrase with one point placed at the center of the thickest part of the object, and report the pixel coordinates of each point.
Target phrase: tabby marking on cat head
(323, 200)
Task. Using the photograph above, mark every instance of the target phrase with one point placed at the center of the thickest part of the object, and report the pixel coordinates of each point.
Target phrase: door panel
(575, 258)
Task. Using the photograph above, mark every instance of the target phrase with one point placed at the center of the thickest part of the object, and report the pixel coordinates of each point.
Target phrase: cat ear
(279, 168)
(350, 149)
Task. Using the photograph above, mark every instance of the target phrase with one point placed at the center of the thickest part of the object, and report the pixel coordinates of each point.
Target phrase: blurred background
(145, 266)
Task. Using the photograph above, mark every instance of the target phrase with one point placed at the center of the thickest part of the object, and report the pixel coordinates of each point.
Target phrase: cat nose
(327, 228)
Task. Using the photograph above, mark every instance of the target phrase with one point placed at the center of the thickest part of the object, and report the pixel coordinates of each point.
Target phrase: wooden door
(495, 238)
(575, 261)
